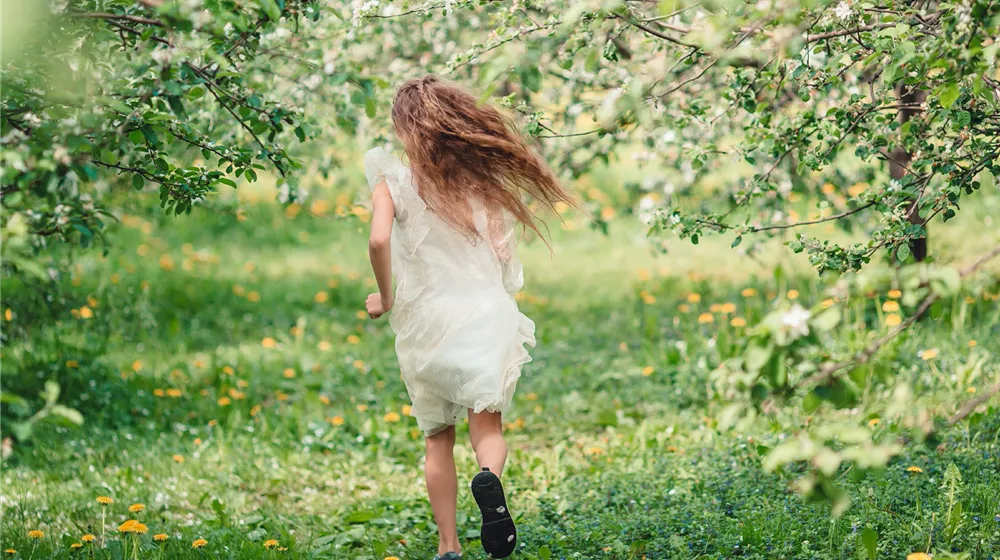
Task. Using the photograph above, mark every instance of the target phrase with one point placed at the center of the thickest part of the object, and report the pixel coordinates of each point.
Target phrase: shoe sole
(498, 534)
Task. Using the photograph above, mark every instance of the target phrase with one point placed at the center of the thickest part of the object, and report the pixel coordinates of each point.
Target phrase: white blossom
(843, 11)
(894, 186)
(796, 321)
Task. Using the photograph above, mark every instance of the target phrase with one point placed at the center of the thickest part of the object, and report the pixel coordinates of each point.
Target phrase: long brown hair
(461, 150)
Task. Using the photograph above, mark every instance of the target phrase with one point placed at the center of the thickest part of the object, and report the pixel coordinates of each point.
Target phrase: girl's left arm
(380, 251)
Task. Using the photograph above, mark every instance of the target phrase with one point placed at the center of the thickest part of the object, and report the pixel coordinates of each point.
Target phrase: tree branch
(656, 33)
(862, 357)
(118, 17)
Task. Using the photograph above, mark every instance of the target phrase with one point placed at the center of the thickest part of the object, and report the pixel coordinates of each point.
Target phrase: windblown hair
(461, 150)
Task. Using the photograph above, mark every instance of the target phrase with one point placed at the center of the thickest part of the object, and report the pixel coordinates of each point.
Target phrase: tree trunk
(901, 160)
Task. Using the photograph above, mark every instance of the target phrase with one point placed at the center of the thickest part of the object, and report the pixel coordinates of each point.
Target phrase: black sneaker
(499, 536)
(448, 556)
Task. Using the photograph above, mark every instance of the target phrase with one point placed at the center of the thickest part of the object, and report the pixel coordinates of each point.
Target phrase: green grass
(613, 451)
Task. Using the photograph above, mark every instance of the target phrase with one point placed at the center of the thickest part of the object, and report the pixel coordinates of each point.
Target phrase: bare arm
(380, 251)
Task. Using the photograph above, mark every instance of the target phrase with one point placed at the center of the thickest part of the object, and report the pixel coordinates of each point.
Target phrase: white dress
(460, 337)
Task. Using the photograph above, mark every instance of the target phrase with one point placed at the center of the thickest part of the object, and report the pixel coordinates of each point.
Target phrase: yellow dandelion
(647, 298)
(391, 417)
(972, 343)
(296, 331)
(919, 556)
(225, 401)
(127, 526)
(88, 538)
(362, 407)
(136, 366)
(174, 393)
(270, 543)
(353, 339)
(197, 441)
(828, 189)
(35, 534)
(593, 451)
(792, 294)
(324, 346)
(359, 365)
(607, 213)
(268, 342)
(255, 410)
(642, 274)
(970, 390)
(239, 290)
(337, 420)
(199, 543)
(693, 297)
(648, 370)
(728, 308)
(86, 312)
(738, 322)
(873, 422)
(928, 354)
(705, 318)
(160, 537)
(715, 308)
(159, 393)
(115, 278)
(361, 314)
(892, 320)
(672, 449)
(914, 469)
(104, 500)
(324, 399)
(8, 314)
(890, 306)
(623, 347)
(76, 545)
(748, 292)
(253, 297)
(321, 297)
(136, 508)
(289, 373)
(390, 558)
(895, 294)
(228, 370)
(178, 458)
(827, 303)
(406, 410)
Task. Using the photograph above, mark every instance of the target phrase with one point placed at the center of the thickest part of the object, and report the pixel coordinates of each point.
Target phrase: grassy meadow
(232, 385)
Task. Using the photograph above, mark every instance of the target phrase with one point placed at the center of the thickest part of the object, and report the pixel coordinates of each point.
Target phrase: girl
(459, 335)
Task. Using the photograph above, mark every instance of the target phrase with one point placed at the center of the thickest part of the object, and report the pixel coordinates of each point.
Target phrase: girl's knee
(443, 438)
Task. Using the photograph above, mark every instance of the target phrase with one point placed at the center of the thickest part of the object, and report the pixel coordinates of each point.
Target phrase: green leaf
(51, 392)
(270, 7)
(138, 182)
(360, 517)
(870, 540)
(757, 355)
(827, 320)
(70, 414)
(370, 107)
(149, 134)
(544, 553)
(949, 95)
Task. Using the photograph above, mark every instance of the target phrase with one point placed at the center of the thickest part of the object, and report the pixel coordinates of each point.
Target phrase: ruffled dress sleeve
(383, 166)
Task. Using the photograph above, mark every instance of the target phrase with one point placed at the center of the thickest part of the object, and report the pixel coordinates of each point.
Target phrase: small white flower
(843, 11)
(32, 119)
(675, 219)
(894, 186)
(328, 68)
(669, 136)
(668, 188)
(796, 320)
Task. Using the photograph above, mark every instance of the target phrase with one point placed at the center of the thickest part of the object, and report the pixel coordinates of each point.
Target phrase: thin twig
(118, 17)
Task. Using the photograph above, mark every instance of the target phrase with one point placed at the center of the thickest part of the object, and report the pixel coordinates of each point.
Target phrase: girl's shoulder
(383, 165)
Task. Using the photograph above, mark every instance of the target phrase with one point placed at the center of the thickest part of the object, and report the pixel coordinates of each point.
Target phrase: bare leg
(442, 487)
(486, 433)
